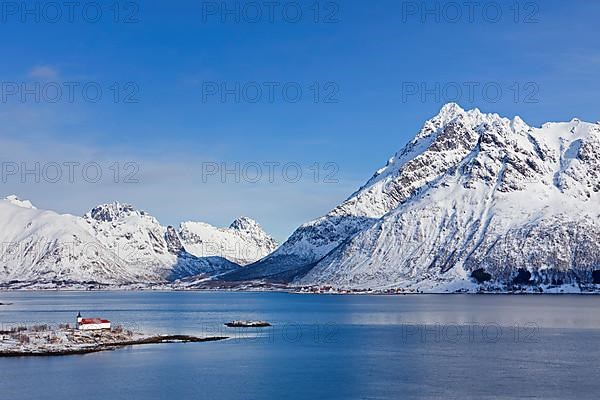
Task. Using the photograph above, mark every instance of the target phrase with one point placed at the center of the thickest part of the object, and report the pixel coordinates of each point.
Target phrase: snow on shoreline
(45, 340)
(453, 287)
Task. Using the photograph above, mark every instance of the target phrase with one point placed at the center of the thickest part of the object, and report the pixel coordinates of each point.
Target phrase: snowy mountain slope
(439, 146)
(44, 246)
(149, 248)
(522, 206)
(243, 242)
(112, 244)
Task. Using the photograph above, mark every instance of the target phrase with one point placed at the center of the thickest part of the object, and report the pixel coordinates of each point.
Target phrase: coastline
(297, 292)
(455, 288)
(463, 285)
(163, 339)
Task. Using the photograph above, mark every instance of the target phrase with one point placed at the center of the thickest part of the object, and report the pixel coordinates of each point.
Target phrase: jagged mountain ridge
(112, 244)
(243, 242)
(147, 246)
(478, 168)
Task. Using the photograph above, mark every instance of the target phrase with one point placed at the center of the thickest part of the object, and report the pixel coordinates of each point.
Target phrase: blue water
(321, 347)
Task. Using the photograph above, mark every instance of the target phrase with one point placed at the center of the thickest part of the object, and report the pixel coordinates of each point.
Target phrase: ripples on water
(326, 347)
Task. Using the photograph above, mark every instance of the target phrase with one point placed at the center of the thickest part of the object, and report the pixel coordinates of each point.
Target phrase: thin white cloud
(43, 72)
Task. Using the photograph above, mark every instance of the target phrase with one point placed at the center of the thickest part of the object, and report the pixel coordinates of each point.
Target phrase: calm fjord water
(326, 347)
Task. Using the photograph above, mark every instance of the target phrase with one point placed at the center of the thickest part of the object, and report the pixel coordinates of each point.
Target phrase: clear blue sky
(372, 54)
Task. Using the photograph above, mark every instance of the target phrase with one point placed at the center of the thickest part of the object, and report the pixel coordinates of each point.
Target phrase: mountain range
(115, 244)
(474, 201)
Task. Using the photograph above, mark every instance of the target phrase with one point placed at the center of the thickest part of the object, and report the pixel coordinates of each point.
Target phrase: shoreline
(495, 293)
(466, 286)
(341, 292)
(165, 339)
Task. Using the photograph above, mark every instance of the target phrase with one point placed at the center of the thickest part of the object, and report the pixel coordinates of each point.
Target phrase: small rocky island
(247, 324)
(44, 340)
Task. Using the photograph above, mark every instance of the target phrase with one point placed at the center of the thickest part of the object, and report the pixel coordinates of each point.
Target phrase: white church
(92, 324)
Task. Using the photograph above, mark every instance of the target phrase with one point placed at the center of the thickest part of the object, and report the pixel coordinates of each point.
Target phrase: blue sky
(371, 60)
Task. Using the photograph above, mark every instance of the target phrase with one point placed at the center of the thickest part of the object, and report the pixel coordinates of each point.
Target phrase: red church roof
(94, 321)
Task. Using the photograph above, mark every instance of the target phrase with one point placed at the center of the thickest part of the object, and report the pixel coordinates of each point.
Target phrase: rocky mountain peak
(451, 108)
(243, 242)
(112, 212)
(451, 111)
(245, 224)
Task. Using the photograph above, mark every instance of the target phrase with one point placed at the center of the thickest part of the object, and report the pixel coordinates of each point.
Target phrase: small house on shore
(92, 324)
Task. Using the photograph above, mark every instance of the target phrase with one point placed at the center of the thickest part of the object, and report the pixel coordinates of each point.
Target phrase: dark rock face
(174, 245)
(523, 277)
(111, 212)
(481, 276)
(244, 224)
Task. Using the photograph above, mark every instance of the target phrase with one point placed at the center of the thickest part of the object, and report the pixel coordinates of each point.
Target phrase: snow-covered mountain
(43, 246)
(244, 242)
(440, 145)
(471, 194)
(112, 244)
(148, 247)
